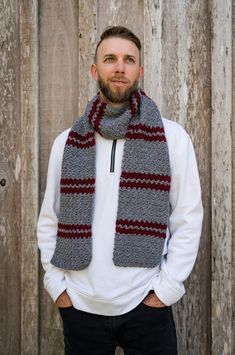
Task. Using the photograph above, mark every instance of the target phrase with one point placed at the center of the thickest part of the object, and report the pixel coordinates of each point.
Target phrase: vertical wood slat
(10, 170)
(29, 175)
(152, 48)
(222, 298)
(58, 58)
(86, 46)
(233, 176)
(177, 68)
(121, 12)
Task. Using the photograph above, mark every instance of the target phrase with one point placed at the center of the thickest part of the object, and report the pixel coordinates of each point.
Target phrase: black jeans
(143, 331)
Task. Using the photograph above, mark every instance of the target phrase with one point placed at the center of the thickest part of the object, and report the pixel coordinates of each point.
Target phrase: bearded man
(121, 219)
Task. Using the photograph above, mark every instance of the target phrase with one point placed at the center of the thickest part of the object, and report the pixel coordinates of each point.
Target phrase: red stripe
(149, 176)
(140, 232)
(81, 145)
(79, 137)
(77, 181)
(144, 185)
(99, 116)
(145, 224)
(133, 108)
(145, 137)
(74, 235)
(74, 226)
(145, 128)
(77, 190)
(93, 109)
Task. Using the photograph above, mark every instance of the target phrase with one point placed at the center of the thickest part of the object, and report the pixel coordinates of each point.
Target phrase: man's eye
(109, 60)
(130, 60)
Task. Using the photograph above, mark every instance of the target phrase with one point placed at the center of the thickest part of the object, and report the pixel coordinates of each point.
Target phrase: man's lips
(119, 82)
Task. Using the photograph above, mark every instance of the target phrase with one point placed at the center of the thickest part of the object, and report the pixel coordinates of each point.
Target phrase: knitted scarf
(143, 204)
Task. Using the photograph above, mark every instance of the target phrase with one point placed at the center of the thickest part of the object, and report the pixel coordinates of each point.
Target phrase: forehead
(117, 46)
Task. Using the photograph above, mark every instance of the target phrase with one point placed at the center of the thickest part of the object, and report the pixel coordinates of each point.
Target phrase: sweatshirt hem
(107, 307)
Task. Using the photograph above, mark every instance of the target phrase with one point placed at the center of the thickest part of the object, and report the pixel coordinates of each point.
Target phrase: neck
(113, 104)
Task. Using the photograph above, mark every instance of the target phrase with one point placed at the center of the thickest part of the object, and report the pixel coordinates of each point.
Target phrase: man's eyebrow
(109, 55)
(125, 56)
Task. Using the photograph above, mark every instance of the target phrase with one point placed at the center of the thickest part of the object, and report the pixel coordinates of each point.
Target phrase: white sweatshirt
(106, 289)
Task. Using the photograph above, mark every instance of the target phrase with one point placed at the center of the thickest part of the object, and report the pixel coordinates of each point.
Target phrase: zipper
(113, 151)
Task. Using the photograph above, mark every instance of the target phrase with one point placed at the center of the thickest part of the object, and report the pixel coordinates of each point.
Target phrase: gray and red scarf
(143, 204)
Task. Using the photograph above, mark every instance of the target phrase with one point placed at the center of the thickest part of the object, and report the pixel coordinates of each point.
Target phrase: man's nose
(120, 68)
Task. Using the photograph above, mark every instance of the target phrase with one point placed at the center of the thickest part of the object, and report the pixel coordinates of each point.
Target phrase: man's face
(117, 70)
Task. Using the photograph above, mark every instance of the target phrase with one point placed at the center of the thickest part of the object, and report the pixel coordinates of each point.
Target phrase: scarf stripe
(146, 137)
(79, 141)
(134, 231)
(74, 231)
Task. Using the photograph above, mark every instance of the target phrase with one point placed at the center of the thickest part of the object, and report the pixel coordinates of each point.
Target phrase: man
(121, 219)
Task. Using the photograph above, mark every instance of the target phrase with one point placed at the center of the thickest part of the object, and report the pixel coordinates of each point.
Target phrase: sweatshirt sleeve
(54, 278)
(185, 223)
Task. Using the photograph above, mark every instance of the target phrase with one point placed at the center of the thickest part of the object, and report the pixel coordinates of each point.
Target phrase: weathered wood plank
(10, 167)
(233, 175)
(177, 68)
(120, 12)
(29, 176)
(87, 44)
(152, 48)
(222, 298)
(58, 108)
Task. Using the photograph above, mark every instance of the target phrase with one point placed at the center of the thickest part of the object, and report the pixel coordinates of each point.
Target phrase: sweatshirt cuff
(55, 284)
(167, 289)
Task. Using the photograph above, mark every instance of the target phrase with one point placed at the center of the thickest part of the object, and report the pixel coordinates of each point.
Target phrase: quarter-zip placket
(112, 161)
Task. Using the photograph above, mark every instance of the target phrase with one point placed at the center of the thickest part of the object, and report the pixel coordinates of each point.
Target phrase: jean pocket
(66, 312)
(161, 309)
(65, 308)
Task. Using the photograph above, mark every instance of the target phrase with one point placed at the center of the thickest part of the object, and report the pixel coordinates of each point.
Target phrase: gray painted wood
(86, 45)
(10, 170)
(58, 107)
(233, 178)
(222, 239)
(29, 175)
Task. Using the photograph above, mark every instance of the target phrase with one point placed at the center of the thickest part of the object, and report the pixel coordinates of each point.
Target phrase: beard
(118, 96)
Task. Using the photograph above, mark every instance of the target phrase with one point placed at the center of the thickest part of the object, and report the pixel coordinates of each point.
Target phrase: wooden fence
(46, 49)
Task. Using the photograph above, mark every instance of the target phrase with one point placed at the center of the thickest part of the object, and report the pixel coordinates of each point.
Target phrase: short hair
(119, 32)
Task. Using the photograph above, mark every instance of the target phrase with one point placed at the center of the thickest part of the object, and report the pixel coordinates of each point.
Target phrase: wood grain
(10, 170)
(222, 298)
(233, 179)
(152, 48)
(29, 175)
(121, 12)
(86, 45)
(58, 109)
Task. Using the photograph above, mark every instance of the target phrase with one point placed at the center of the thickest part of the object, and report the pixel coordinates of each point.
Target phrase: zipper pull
(112, 161)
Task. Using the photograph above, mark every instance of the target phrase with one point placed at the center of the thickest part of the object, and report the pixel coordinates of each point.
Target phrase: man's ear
(94, 72)
(141, 73)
